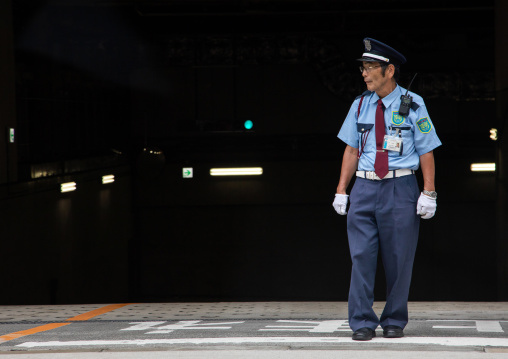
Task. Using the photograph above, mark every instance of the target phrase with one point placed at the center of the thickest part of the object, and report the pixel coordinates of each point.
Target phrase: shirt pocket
(363, 134)
(406, 133)
(364, 127)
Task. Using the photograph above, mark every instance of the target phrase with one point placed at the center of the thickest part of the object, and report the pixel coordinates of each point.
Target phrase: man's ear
(391, 70)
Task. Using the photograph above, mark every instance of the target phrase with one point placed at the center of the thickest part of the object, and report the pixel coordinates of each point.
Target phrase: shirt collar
(387, 100)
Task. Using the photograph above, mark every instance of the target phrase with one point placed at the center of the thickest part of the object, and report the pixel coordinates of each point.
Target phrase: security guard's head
(381, 66)
(376, 51)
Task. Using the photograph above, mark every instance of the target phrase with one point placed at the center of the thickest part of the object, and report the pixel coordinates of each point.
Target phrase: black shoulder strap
(414, 106)
(366, 93)
(359, 106)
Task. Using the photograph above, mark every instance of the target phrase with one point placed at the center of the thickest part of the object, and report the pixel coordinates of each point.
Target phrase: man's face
(374, 78)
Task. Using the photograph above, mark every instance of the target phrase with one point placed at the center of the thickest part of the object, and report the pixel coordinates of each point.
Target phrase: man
(385, 202)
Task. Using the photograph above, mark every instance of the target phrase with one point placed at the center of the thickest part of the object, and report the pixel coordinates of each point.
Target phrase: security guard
(389, 135)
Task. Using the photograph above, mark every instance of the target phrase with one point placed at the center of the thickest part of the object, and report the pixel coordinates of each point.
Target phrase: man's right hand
(340, 203)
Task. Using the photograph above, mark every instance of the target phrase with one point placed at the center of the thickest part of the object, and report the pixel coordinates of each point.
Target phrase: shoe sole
(365, 339)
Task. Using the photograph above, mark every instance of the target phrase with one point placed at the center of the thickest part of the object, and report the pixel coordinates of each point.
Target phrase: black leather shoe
(364, 334)
(393, 331)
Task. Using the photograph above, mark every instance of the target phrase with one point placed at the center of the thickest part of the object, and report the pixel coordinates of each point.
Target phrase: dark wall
(66, 247)
(8, 151)
(277, 237)
(502, 150)
(180, 80)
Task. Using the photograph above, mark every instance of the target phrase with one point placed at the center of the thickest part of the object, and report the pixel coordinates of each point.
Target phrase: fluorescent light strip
(108, 179)
(483, 167)
(245, 171)
(68, 187)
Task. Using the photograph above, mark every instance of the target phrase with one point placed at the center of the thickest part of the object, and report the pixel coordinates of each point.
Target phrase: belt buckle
(370, 175)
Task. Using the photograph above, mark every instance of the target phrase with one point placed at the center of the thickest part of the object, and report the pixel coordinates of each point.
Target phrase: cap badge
(367, 45)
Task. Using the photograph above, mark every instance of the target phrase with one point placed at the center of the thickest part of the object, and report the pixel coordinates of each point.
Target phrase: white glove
(426, 206)
(340, 203)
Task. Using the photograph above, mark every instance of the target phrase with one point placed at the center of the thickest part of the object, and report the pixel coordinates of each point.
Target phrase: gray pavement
(246, 330)
(249, 310)
(265, 354)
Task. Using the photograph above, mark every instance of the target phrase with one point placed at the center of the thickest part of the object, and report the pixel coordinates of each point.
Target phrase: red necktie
(381, 164)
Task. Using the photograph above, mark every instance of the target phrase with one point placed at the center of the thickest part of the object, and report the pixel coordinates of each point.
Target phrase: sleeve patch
(424, 125)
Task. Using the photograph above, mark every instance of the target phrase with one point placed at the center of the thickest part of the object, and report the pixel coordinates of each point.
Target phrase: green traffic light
(248, 124)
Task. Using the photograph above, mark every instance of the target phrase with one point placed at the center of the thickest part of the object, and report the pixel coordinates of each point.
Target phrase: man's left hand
(426, 206)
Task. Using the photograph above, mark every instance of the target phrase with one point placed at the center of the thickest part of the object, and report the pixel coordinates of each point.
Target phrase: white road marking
(483, 326)
(489, 326)
(181, 325)
(143, 325)
(444, 341)
(324, 326)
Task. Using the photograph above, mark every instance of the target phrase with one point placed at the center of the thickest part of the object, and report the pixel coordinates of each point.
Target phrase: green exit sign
(187, 172)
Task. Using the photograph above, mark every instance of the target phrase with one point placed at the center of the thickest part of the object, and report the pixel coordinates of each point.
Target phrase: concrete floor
(97, 316)
(249, 310)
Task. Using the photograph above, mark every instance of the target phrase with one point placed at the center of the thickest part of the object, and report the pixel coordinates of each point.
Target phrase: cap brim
(368, 59)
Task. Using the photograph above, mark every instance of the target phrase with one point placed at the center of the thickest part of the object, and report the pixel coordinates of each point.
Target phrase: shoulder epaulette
(366, 93)
(414, 106)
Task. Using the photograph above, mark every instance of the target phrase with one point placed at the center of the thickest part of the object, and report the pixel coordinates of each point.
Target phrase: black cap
(376, 51)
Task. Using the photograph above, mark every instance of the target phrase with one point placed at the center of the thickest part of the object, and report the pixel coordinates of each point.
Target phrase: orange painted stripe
(96, 312)
(35, 330)
(46, 327)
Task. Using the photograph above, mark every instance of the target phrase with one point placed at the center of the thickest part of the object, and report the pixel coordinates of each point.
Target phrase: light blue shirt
(418, 133)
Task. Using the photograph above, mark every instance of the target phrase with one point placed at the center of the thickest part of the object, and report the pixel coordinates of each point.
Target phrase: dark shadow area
(142, 89)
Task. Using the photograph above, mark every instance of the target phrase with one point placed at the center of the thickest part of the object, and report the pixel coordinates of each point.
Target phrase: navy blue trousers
(382, 217)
